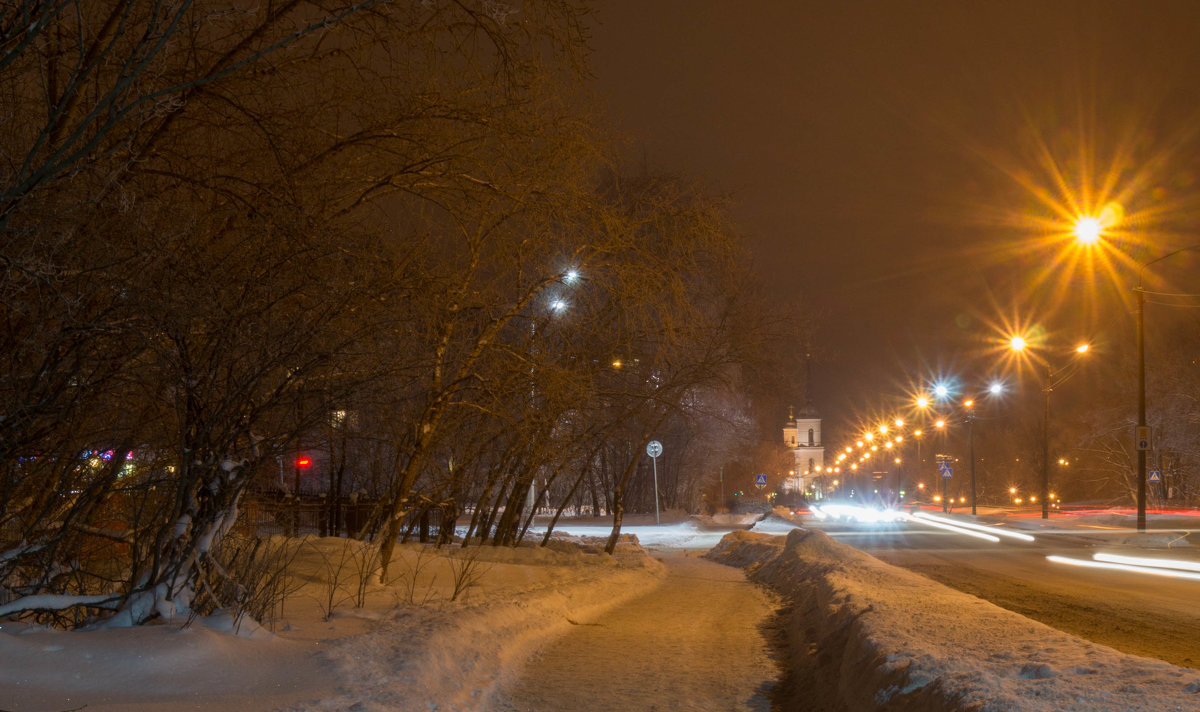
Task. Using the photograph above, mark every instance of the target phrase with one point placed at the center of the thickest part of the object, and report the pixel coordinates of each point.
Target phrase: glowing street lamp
(1088, 230)
(1142, 434)
(1054, 378)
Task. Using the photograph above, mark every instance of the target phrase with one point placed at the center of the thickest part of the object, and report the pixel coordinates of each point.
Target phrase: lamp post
(995, 389)
(940, 425)
(1054, 378)
(1049, 387)
(917, 436)
(1089, 231)
(970, 406)
(1142, 434)
(922, 403)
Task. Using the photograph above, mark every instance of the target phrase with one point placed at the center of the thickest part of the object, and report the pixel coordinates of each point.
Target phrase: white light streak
(1145, 561)
(978, 527)
(955, 529)
(1170, 573)
(863, 515)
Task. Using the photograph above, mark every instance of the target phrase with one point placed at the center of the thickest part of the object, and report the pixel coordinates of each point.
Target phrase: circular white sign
(654, 448)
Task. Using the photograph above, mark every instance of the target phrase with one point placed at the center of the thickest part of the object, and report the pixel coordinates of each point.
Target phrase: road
(1134, 613)
(694, 643)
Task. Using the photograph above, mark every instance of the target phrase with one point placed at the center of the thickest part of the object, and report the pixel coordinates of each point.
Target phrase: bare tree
(240, 164)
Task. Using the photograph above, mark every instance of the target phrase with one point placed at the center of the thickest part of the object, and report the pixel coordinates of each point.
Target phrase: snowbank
(453, 657)
(865, 635)
(409, 647)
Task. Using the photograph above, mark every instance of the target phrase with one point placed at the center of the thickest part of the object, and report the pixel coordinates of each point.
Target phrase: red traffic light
(303, 461)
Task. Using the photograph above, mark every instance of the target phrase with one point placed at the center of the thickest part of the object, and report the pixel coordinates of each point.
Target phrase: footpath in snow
(865, 635)
(695, 642)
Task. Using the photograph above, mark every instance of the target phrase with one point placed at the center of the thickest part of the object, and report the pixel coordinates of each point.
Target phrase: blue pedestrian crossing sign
(760, 480)
(945, 470)
(1155, 476)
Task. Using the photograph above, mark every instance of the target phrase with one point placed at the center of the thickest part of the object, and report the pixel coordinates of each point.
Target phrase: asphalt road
(1135, 613)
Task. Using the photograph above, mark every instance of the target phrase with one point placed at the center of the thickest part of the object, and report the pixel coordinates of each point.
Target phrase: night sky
(902, 166)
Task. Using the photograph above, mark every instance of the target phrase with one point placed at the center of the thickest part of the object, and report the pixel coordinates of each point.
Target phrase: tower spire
(809, 410)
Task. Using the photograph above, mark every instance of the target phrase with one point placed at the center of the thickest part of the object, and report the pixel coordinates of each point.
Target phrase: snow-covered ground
(891, 636)
(892, 639)
(408, 648)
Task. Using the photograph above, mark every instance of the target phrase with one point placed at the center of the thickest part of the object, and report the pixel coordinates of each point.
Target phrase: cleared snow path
(696, 642)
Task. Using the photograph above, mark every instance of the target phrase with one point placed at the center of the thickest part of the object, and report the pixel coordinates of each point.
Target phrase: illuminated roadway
(1136, 613)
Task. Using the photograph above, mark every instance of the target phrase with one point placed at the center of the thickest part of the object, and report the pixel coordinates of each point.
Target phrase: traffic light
(303, 461)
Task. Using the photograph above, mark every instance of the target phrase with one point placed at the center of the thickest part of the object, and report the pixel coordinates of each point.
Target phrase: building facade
(802, 435)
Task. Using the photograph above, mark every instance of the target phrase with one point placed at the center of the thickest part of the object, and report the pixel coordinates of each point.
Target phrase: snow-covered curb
(454, 656)
(865, 635)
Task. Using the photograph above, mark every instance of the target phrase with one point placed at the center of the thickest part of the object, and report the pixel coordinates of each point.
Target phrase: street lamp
(995, 389)
(1089, 231)
(940, 424)
(969, 405)
(1142, 439)
(1054, 378)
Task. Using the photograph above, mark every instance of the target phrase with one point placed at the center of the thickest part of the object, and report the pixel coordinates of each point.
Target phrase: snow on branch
(57, 602)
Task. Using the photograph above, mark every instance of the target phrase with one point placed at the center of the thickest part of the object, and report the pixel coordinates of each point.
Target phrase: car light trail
(862, 515)
(1145, 561)
(977, 527)
(955, 529)
(1170, 573)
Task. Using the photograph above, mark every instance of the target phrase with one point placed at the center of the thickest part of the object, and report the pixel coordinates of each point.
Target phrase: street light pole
(1142, 428)
(918, 438)
(1089, 231)
(971, 454)
(1018, 343)
(1046, 446)
(1141, 359)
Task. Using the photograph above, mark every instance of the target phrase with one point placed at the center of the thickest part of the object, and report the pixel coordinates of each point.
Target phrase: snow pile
(746, 549)
(773, 524)
(149, 667)
(409, 647)
(863, 634)
(450, 656)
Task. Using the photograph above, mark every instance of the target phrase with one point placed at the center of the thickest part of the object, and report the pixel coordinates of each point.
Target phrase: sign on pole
(654, 449)
(945, 470)
(1142, 437)
(1155, 476)
(760, 480)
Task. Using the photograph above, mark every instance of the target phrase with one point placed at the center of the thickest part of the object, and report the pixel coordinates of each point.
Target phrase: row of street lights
(1088, 232)
(940, 394)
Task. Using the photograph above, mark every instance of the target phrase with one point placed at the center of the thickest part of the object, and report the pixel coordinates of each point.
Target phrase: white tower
(802, 435)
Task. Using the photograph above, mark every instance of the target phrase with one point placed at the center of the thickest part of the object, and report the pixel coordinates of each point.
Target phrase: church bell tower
(802, 435)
